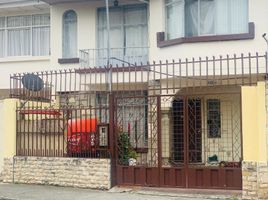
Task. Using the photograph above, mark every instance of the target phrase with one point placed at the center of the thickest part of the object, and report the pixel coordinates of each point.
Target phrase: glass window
(69, 34)
(187, 18)
(213, 118)
(25, 35)
(128, 33)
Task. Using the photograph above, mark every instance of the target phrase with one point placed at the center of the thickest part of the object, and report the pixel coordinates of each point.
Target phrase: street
(40, 192)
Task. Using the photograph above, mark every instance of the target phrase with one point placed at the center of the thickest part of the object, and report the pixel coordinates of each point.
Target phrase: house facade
(184, 93)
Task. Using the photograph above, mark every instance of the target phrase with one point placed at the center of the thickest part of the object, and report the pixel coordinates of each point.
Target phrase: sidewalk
(38, 192)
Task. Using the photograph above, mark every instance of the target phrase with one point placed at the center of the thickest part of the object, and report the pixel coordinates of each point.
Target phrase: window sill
(161, 42)
(24, 59)
(68, 60)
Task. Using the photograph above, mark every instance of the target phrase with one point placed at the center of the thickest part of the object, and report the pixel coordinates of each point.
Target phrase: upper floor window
(69, 34)
(187, 18)
(128, 33)
(27, 35)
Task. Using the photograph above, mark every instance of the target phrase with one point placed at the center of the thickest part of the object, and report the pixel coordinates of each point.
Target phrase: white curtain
(41, 41)
(2, 43)
(175, 18)
(207, 16)
(2, 37)
(19, 35)
(239, 16)
(192, 18)
(128, 33)
(200, 16)
(70, 34)
(231, 16)
(136, 35)
(19, 41)
(41, 35)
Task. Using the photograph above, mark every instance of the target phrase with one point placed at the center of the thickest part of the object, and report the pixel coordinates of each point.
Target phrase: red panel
(128, 175)
(179, 178)
(139, 176)
(214, 178)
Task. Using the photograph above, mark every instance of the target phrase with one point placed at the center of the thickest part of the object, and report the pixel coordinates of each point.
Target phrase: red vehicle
(81, 136)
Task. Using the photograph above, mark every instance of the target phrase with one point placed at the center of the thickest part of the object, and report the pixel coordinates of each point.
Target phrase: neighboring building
(195, 118)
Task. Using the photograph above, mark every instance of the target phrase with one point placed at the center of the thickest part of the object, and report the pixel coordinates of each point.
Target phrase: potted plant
(127, 155)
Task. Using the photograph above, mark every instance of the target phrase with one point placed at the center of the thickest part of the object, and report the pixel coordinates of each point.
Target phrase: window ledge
(161, 42)
(68, 60)
(24, 59)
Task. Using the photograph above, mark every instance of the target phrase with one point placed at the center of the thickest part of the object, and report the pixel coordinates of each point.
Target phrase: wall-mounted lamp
(116, 3)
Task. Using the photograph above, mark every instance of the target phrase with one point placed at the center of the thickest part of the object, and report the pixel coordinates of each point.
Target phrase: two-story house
(184, 94)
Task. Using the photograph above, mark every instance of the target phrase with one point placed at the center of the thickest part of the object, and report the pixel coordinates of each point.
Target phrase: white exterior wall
(87, 20)
(10, 65)
(258, 13)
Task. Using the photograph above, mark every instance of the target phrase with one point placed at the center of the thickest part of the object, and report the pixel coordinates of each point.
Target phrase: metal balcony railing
(118, 56)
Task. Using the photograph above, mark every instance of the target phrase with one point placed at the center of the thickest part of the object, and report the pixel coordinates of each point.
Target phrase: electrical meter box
(103, 135)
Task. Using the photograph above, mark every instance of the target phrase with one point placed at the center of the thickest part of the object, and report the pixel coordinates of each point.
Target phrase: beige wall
(254, 123)
(1, 134)
(9, 128)
(228, 146)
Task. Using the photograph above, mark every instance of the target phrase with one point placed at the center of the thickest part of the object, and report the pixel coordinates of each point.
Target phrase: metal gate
(195, 143)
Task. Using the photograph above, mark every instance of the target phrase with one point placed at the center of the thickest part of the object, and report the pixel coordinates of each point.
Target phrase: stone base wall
(73, 172)
(255, 180)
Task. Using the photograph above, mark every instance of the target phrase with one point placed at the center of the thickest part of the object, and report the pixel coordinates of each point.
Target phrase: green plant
(125, 149)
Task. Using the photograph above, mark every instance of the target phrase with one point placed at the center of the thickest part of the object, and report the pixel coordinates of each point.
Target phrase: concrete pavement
(38, 192)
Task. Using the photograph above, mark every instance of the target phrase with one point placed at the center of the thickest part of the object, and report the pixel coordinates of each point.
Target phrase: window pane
(239, 16)
(2, 43)
(207, 16)
(2, 22)
(231, 16)
(41, 19)
(19, 42)
(213, 118)
(70, 35)
(175, 18)
(222, 17)
(18, 21)
(41, 41)
(191, 18)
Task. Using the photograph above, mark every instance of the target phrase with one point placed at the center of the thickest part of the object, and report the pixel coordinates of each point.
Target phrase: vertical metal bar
(193, 66)
(257, 66)
(200, 72)
(235, 68)
(159, 140)
(242, 65)
(180, 73)
(167, 88)
(228, 70)
(185, 139)
(249, 65)
(213, 70)
(160, 77)
(112, 138)
(173, 75)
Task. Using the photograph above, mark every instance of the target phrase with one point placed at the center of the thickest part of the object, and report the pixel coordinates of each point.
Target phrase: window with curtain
(128, 31)
(69, 34)
(187, 18)
(27, 35)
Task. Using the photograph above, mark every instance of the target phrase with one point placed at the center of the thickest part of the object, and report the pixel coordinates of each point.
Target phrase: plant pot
(132, 162)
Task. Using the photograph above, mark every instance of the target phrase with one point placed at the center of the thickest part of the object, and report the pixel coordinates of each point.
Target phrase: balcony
(118, 56)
